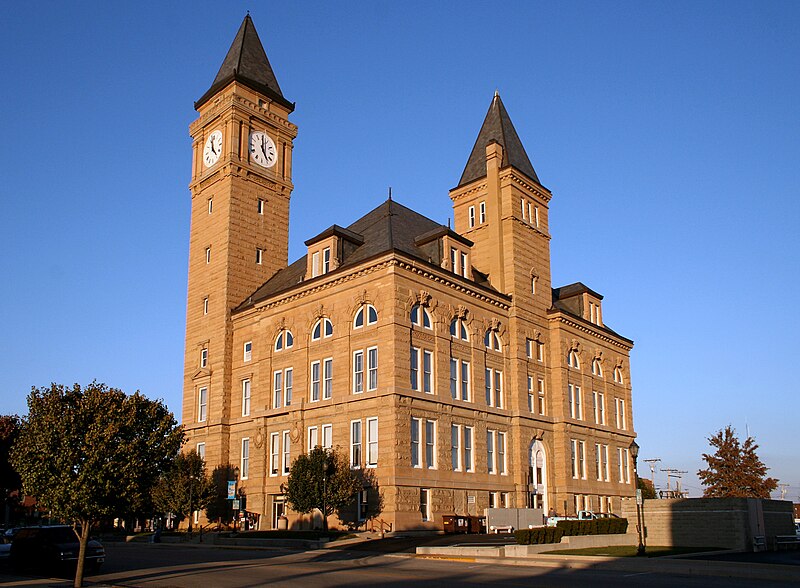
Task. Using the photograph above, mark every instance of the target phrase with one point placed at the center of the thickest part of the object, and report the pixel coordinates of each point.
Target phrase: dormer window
(594, 313)
(322, 328)
(459, 262)
(366, 313)
(421, 317)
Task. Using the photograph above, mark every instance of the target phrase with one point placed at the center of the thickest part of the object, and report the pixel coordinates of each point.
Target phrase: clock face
(213, 148)
(262, 149)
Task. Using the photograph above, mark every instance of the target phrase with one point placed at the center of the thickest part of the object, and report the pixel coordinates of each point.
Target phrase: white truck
(583, 515)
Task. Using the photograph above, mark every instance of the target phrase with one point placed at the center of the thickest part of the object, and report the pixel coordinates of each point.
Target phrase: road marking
(639, 574)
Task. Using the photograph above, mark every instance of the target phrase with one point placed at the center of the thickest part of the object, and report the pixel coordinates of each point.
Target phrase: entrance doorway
(278, 508)
(538, 477)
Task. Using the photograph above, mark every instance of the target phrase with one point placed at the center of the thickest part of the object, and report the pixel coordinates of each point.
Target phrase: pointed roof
(247, 63)
(497, 127)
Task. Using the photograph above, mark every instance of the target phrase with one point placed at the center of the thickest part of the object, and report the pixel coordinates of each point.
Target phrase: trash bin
(455, 524)
(476, 524)
(283, 523)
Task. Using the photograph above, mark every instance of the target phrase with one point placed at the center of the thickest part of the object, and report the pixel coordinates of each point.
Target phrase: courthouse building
(440, 358)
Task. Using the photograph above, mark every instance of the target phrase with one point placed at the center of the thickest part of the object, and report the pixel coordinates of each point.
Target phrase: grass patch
(630, 551)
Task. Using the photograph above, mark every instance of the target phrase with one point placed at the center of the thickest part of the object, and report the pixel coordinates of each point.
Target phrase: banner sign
(231, 489)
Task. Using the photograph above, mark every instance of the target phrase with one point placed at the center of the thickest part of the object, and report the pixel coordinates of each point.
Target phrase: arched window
(618, 375)
(458, 329)
(366, 313)
(492, 340)
(284, 340)
(421, 317)
(573, 360)
(597, 368)
(322, 328)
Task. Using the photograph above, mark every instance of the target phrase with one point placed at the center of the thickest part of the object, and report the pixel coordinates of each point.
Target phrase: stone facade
(472, 381)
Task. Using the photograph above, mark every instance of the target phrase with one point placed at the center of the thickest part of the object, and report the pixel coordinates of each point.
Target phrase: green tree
(734, 469)
(93, 452)
(646, 486)
(219, 507)
(321, 480)
(9, 477)
(183, 488)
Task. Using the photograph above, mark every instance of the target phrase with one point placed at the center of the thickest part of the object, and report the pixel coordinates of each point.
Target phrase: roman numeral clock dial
(262, 149)
(213, 148)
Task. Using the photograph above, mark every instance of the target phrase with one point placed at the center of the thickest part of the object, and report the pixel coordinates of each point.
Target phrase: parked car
(8, 535)
(5, 549)
(607, 515)
(583, 515)
(56, 546)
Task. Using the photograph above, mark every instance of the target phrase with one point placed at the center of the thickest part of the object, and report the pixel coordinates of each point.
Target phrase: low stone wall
(730, 523)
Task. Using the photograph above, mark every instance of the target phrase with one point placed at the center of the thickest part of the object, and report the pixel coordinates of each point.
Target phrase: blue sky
(669, 133)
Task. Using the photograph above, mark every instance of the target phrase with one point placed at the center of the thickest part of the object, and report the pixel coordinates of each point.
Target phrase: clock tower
(240, 187)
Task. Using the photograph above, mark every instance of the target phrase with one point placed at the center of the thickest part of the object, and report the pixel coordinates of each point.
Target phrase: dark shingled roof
(497, 127)
(573, 290)
(247, 63)
(389, 227)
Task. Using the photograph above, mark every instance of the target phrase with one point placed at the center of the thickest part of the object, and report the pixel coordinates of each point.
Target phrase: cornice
(560, 317)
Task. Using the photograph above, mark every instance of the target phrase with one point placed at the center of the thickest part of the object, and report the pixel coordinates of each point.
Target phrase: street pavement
(186, 565)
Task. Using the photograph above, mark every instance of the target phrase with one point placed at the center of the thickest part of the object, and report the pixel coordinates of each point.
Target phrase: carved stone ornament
(295, 433)
(537, 335)
(461, 312)
(598, 354)
(575, 345)
(423, 298)
(259, 437)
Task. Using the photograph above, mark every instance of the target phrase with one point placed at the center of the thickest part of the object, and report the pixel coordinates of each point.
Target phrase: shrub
(594, 527)
(539, 535)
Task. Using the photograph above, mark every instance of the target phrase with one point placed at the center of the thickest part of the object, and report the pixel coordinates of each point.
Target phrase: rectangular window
(468, 436)
(245, 397)
(605, 463)
(523, 207)
(202, 404)
(529, 347)
(204, 357)
(454, 378)
(575, 407)
(582, 458)
(624, 466)
(471, 216)
(315, 264)
(540, 385)
(598, 461)
(315, 381)
(465, 380)
(244, 468)
(574, 458)
(530, 211)
(430, 444)
(327, 375)
(531, 398)
(536, 215)
(415, 443)
(358, 372)
(363, 504)
(287, 392)
(372, 367)
(464, 265)
(355, 444)
(501, 453)
(455, 453)
(619, 404)
(277, 395)
(259, 255)
(425, 504)
(208, 255)
(494, 387)
(598, 399)
(427, 371)
(313, 438)
(201, 450)
(260, 207)
(327, 436)
(205, 305)
(248, 351)
(454, 260)
(539, 351)
(372, 442)
(274, 451)
(415, 368)
(287, 453)
(490, 450)
(482, 212)
(210, 205)
(326, 260)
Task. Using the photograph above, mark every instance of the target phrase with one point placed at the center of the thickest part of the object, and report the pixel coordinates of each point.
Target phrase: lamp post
(640, 549)
(191, 510)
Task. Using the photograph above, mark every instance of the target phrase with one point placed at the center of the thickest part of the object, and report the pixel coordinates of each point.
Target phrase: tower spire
(497, 127)
(247, 63)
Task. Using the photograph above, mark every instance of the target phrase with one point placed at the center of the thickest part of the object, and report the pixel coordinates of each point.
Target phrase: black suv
(56, 546)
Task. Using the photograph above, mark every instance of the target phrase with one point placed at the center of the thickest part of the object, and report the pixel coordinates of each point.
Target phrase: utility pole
(783, 489)
(652, 463)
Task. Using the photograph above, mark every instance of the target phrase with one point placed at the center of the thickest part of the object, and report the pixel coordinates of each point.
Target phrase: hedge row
(540, 535)
(594, 527)
(564, 528)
